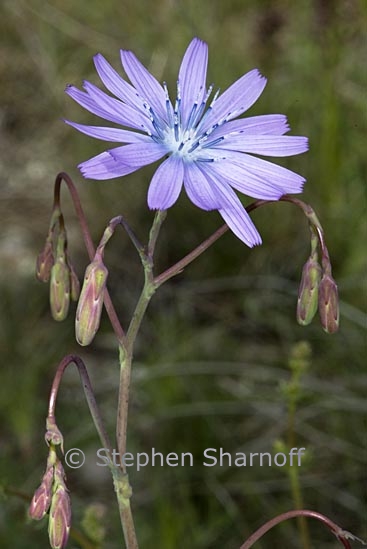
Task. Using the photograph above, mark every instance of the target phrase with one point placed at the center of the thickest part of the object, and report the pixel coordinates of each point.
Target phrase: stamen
(210, 108)
(194, 146)
(176, 126)
(212, 143)
(155, 120)
(202, 106)
(192, 116)
(169, 107)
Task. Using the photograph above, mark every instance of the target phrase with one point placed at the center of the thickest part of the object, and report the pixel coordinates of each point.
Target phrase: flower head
(88, 314)
(206, 150)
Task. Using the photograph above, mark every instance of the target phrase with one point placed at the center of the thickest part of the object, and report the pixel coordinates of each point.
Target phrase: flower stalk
(94, 294)
(342, 535)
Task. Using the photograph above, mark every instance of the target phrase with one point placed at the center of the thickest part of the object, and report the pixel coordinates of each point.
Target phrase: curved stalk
(341, 535)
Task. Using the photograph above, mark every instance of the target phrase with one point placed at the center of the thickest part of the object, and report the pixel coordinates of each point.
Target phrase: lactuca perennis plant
(207, 149)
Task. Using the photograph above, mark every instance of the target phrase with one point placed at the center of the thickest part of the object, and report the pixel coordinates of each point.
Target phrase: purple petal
(129, 116)
(166, 184)
(104, 166)
(137, 155)
(116, 84)
(269, 145)
(110, 134)
(239, 97)
(145, 83)
(244, 181)
(192, 76)
(265, 124)
(286, 180)
(200, 189)
(90, 105)
(236, 217)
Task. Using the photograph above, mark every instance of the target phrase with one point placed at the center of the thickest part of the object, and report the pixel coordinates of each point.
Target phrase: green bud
(41, 500)
(60, 289)
(60, 511)
(89, 310)
(308, 291)
(329, 304)
(45, 261)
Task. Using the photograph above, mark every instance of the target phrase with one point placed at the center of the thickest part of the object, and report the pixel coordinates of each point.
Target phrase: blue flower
(205, 149)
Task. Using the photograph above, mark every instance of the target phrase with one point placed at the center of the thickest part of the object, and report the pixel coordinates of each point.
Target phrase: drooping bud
(45, 261)
(60, 280)
(308, 291)
(89, 310)
(329, 304)
(60, 512)
(60, 289)
(41, 500)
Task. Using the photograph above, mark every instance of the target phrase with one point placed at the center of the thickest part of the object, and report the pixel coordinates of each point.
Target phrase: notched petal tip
(258, 73)
(69, 88)
(198, 40)
(256, 242)
(82, 170)
(152, 207)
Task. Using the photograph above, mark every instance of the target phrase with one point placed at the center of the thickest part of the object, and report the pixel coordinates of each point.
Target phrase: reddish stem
(62, 176)
(87, 386)
(335, 529)
(180, 265)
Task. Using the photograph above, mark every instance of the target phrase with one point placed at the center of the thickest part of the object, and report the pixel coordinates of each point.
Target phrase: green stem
(122, 486)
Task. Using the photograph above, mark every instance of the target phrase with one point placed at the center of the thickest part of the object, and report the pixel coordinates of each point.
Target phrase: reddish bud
(41, 500)
(89, 310)
(308, 291)
(45, 261)
(329, 304)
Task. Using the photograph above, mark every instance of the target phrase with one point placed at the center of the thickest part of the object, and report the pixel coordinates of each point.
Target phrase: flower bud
(45, 261)
(60, 512)
(329, 304)
(60, 289)
(53, 435)
(308, 291)
(41, 500)
(89, 310)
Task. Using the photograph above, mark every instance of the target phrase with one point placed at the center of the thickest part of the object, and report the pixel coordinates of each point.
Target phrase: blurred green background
(213, 357)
